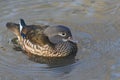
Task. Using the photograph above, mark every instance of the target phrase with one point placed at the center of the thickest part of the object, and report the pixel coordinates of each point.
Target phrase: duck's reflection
(54, 62)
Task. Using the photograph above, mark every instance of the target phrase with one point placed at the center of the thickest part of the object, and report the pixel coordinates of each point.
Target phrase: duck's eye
(62, 34)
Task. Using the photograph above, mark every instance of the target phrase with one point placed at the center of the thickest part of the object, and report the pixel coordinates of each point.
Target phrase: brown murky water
(94, 23)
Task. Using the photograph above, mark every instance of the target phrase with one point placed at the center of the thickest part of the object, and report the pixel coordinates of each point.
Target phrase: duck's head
(59, 33)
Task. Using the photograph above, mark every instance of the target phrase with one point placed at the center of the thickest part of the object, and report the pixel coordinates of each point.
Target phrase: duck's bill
(70, 39)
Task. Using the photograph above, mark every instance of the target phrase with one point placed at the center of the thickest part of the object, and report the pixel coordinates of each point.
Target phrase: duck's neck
(66, 47)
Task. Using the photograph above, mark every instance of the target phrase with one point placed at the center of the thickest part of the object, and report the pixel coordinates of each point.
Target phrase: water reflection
(54, 62)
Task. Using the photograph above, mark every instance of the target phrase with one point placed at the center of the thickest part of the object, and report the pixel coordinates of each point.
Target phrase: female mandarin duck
(44, 40)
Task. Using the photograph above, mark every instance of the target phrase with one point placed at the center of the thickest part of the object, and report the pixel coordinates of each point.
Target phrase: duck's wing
(33, 33)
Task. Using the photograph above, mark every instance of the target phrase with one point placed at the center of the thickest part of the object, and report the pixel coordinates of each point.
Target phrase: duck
(44, 40)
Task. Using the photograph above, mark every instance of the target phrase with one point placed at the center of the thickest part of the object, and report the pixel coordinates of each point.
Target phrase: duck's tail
(16, 28)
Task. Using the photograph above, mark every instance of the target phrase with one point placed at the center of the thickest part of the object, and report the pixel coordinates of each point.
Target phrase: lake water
(94, 23)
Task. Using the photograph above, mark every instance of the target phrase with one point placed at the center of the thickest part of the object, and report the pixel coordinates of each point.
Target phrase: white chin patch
(64, 40)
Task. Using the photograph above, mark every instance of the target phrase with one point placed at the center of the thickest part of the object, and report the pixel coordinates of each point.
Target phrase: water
(94, 23)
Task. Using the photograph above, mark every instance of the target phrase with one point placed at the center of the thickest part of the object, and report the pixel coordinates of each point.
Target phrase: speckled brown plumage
(44, 40)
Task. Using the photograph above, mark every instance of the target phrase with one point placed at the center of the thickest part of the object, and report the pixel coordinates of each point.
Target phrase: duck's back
(35, 33)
